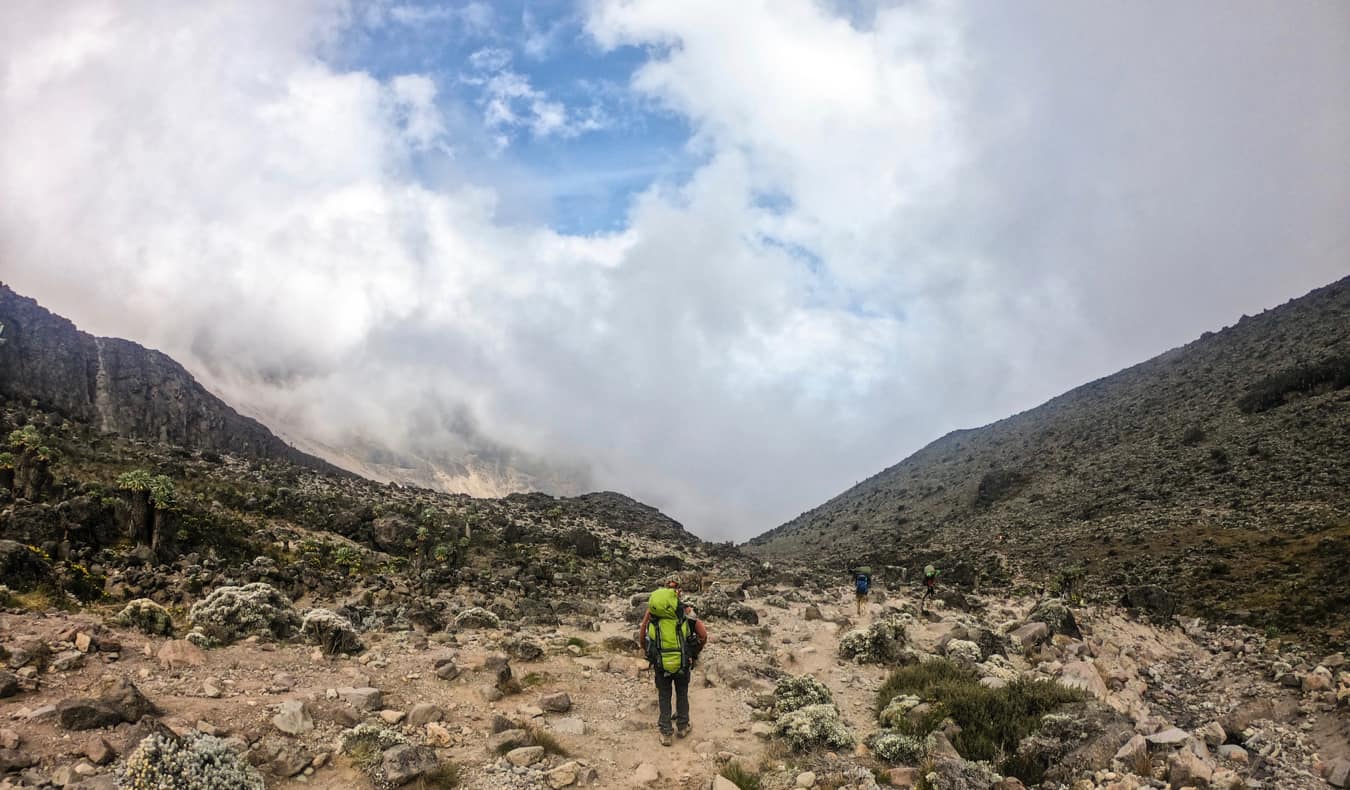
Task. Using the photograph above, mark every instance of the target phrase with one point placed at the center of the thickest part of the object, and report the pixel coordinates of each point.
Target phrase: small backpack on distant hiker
(671, 646)
(862, 584)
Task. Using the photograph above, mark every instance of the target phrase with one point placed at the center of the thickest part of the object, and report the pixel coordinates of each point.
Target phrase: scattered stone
(446, 669)
(98, 751)
(404, 763)
(806, 779)
(1172, 736)
(11, 761)
(506, 740)
(9, 684)
(424, 713)
(525, 755)
(645, 774)
(293, 718)
(564, 775)
(1185, 769)
(392, 717)
(180, 653)
(363, 698)
(568, 725)
(556, 703)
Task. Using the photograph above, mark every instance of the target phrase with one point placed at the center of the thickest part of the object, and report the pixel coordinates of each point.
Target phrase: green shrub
(146, 615)
(992, 721)
(1274, 391)
(795, 693)
(199, 762)
(743, 779)
(229, 614)
(813, 727)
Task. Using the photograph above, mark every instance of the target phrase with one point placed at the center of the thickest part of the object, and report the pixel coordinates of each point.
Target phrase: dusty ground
(613, 696)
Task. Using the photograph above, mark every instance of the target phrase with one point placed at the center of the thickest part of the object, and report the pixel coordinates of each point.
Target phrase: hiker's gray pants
(664, 685)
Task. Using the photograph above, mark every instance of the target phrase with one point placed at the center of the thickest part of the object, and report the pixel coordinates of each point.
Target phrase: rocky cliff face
(1217, 470)
(120, 387)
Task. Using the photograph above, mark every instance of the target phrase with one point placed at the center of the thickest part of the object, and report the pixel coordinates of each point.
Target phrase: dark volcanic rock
(121, 386)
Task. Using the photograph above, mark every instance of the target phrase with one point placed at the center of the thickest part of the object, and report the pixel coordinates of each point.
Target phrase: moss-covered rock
(231, 613)
(147, 616)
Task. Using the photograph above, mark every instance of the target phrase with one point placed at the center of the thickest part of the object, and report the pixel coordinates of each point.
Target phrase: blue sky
(579, 179)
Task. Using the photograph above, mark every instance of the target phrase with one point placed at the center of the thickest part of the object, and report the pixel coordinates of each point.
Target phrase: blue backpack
(862, 583)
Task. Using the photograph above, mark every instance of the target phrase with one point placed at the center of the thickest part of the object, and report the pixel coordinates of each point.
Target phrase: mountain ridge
(1167, 472)
(123, 387)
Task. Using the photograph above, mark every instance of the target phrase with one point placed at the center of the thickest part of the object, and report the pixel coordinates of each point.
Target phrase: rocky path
(285, 706)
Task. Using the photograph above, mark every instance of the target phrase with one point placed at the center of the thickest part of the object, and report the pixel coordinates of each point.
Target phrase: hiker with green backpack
(671, 637)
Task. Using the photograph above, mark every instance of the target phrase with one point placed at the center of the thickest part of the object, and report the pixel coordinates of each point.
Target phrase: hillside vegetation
(1214, 477)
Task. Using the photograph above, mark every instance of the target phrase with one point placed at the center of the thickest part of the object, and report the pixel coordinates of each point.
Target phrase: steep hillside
(1219, 471)
(120, 387)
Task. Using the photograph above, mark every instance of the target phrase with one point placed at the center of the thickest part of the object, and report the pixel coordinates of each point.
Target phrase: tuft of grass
(443, 778)
(992, 721)
(533, 679)
(551, 745)
(740, 777)
(576, 641)
(538, 737)
(620, 644)
(365, 755)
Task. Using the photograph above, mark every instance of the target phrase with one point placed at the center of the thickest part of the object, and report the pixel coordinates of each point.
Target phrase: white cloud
(511, 103)
(912, 219)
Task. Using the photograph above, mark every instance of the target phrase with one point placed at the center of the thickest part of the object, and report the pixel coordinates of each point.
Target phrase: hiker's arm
(701, 631)
(642, 631)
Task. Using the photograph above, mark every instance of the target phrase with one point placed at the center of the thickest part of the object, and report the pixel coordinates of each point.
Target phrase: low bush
(992, 721)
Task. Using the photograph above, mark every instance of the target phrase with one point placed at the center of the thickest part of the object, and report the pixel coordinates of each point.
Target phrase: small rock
(556, 703)
(423, 713)
(180, 653)
(98, 751)
(1233, 753)
(9, 739)
(564, 775)
(506, 740)
(438, 735)
(392, 717)
(83, 642)
(363, 698)
(806, 779)
(645, 773)
(404, 763)
(293, 718)
(568, 725)
(525, 755)
(1172, 736)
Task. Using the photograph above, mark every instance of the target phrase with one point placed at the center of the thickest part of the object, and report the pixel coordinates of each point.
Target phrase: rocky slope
(1216, 472)
(119, 386)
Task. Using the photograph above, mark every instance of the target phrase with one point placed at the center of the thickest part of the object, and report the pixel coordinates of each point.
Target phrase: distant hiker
(862, 582)
(671, 636)
(930, 577)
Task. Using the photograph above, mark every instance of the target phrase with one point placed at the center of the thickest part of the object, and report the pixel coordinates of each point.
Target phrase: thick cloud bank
(904, 219)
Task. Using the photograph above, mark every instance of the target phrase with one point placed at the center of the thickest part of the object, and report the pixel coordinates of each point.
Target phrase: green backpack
(668, 632)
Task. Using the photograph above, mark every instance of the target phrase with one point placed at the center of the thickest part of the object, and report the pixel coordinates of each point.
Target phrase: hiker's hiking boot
(665, 739)
(682, 732)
